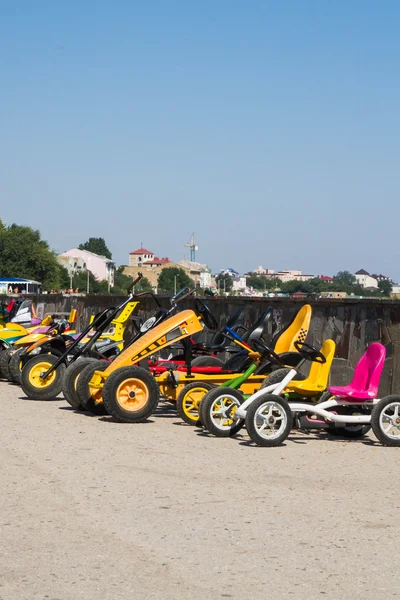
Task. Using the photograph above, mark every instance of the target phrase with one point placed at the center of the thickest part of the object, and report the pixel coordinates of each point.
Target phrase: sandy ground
(93, 509)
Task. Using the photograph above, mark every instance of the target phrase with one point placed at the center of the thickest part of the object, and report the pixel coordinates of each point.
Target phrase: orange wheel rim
(132, 394)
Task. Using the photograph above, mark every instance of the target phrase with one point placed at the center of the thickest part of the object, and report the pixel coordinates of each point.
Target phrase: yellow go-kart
(188, 389)
(129, 392)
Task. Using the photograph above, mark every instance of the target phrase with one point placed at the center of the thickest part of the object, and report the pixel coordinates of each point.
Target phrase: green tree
(97, 245)
(345, 279)
(385, 287)
(224, 282)
(172, 278)
(80, 282)
(24, 254)
(258, 282)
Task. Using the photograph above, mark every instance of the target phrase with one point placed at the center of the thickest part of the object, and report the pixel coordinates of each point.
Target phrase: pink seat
(367, 375)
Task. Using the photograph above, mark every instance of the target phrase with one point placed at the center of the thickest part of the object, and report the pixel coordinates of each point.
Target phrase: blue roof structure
(17, 280)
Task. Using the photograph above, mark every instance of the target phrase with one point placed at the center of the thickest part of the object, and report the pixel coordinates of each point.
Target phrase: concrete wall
(352, 324)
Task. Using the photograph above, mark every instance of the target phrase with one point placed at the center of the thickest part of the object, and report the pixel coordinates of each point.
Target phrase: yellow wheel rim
(132, 394)
(224, 403)
(34, 375)
(191, 402)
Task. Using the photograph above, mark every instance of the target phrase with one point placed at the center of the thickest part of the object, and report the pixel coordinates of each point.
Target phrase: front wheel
(37, 388)
(70, 381)
(218, 409)
(207, 361)
(130, 394)
(189, 401)
(269, 420)
(385, 420)
(91, 398)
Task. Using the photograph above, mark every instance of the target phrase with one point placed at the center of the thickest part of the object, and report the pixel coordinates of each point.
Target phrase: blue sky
(270, 129)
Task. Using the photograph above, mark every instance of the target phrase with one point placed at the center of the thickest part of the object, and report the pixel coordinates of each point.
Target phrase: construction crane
(192, 245)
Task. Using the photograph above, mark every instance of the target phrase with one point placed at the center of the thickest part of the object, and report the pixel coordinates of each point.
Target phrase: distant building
(333, 295)
(326, 278)
(199, 272)
(261, 271)
(140, 256)
(292, 275)
(366, 280)
(77, 260)
(239, 284)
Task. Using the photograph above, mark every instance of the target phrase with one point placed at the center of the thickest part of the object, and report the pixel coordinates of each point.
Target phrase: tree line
(24, 254)
(343, 281)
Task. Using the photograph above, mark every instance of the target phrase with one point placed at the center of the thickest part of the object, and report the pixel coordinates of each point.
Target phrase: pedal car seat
(367, 375)
(297, 330)
(317, 379)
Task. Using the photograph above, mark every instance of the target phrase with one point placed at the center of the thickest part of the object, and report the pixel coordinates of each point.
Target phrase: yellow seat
(296, 331)
(317, 380)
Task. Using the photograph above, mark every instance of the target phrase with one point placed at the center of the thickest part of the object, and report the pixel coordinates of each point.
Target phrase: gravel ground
(94, 509)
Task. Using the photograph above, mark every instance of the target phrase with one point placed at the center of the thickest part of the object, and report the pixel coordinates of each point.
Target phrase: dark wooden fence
(351, 323)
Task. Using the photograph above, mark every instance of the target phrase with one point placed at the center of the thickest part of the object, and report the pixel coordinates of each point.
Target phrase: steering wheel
(266, 351)
(309, 352)
(205, 313)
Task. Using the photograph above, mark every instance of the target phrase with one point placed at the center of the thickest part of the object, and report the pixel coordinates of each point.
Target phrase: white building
(199, 272)
(366, 280)
(239, 284)
(77, 260)
(292, 275)
(261, 271)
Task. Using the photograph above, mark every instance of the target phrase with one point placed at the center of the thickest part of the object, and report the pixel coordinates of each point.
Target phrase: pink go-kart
(353, 408)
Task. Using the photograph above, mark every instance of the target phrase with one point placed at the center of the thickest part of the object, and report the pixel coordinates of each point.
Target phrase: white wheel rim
(220, 412)
(389, 420)
(270, 420)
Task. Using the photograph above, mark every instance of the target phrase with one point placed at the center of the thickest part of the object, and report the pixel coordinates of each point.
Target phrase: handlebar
(134, 282)
(179, 297)
(148, 293)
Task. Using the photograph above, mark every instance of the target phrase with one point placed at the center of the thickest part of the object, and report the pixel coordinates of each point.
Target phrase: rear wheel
(218, 409)
(278, 375)
(90, 398)
(189, 401)
(15, 366)
(269, 420)
(207, 361)
(385, 420)
(70, 380)
(350, 431)
(34, 386)
(130, 394)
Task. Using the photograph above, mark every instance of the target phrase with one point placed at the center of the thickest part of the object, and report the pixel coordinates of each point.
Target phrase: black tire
(229, 427)
(181, 403)
(377, 411)
(5, 354)
(348, 431)
(50, 389)
(277, 376)
(145, 385)
(252, 416)
(14, 366)
(86, 400)
(207, 361)
(70, 380)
